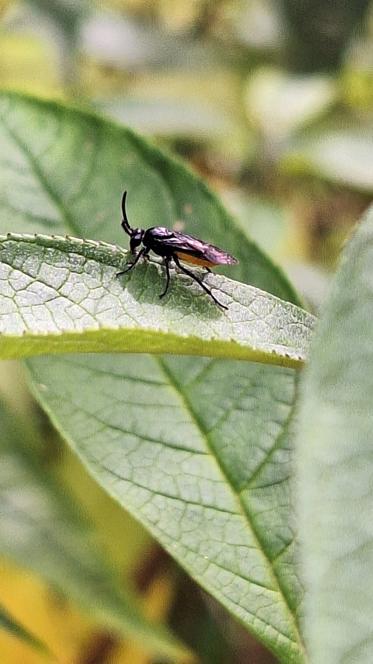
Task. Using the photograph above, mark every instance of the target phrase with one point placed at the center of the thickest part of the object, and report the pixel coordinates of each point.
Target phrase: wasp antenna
(125, 223)
(124, 203)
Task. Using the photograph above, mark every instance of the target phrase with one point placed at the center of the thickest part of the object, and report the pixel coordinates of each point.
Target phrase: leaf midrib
(241, 508)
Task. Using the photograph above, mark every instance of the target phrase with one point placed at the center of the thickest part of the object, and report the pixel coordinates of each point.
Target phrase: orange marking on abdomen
(187, 258)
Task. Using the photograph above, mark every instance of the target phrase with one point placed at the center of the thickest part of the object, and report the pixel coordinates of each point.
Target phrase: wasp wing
(192, 246)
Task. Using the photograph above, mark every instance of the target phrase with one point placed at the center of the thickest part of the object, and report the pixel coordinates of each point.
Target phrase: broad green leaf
(182, 455)
(41, 529)
(64, 171)
(336, 466)
(343, 156)
(63, 294)
(8, 623)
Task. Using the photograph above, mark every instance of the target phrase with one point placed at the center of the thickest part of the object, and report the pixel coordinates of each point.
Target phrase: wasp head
(137, 235)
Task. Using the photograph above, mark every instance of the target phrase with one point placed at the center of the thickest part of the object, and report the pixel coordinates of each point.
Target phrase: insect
(176, 247)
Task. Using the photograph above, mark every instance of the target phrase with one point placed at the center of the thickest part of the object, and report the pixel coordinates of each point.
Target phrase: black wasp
(174, 246)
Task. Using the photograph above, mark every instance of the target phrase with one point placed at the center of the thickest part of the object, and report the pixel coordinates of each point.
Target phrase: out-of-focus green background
(271, 101)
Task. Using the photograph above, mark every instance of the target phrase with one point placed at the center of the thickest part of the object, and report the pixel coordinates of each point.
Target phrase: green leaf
(215, 432)
(65, 171)
(182, 455)
(8, 623)
(60, 295)
(41, 529)
(343, 157)
(336, 466)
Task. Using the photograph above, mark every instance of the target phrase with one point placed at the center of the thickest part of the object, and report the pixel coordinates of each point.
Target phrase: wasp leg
(208, 269)
(194, 276)
(167, 266)
(132, 265)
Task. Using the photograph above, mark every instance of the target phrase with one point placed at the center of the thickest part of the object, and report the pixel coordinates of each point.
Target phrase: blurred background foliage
(272, 102)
